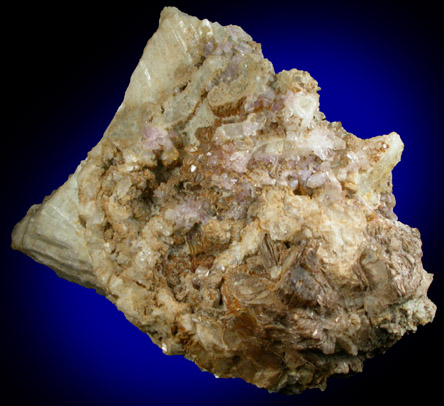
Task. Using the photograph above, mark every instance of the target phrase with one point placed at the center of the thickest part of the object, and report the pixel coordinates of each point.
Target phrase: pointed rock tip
(170, 11)
(19, 230)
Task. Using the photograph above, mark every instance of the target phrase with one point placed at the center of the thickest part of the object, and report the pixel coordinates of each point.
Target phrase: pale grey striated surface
(228, 219)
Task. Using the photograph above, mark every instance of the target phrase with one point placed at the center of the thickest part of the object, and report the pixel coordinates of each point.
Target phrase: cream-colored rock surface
(228, 219)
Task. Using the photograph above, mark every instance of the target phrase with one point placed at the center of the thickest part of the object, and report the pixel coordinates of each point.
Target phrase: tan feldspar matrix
(228, 219)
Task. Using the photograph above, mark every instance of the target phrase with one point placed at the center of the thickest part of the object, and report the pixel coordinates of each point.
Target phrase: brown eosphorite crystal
(228, 219)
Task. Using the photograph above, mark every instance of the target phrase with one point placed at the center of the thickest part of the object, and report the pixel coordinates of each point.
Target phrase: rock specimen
(228, 219)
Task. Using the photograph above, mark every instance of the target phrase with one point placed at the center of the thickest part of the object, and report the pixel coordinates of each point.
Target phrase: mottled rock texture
(228, 219)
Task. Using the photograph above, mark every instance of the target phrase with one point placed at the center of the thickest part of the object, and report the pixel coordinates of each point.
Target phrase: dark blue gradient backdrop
(379, 68)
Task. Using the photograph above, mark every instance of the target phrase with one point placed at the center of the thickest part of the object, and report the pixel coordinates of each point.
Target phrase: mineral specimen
(228, 219)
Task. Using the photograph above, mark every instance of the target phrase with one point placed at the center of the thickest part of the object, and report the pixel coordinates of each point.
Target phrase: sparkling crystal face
(228, 219)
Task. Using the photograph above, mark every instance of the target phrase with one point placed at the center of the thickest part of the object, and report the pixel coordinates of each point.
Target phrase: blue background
(379, 68)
